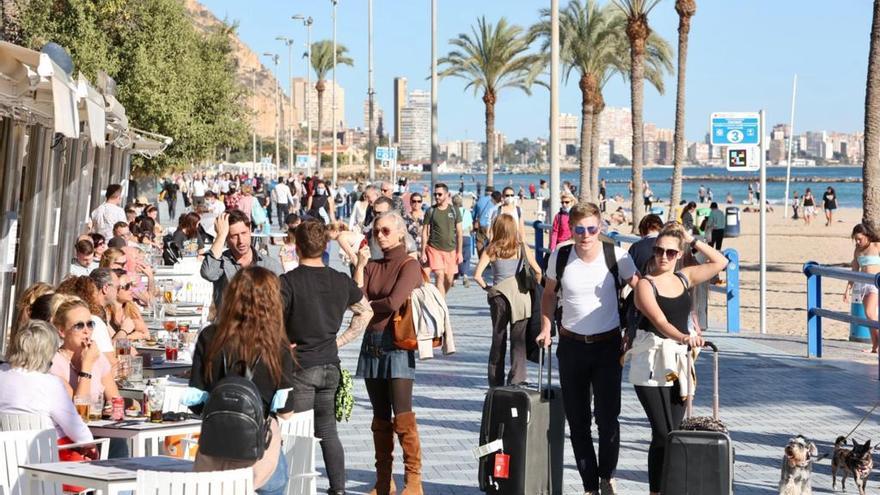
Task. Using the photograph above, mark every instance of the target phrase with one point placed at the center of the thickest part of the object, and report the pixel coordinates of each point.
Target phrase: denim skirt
(380, 359)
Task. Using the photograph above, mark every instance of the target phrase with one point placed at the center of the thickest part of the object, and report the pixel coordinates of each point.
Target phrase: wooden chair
(233, 482)
(298, 435)
(32, 447)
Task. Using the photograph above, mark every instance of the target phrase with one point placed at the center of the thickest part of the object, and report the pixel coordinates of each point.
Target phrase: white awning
(92, 104)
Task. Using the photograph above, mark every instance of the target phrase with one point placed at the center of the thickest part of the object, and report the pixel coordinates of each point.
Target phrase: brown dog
(856, 462)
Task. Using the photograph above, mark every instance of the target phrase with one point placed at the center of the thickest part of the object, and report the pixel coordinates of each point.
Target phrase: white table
(110, 476)
(166, 368)
(142, 433)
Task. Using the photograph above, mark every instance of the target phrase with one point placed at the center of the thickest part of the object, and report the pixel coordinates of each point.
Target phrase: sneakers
(607, 487)
(466, 282)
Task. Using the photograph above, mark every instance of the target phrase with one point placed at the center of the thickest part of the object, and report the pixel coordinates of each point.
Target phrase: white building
(415, 127)
(301, 115)
(569, 133)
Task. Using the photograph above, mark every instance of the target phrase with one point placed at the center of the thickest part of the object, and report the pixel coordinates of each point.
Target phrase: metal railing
(815, 312)
(731, 287)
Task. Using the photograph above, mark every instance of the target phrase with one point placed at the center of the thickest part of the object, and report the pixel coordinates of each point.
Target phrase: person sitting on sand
(866, 259)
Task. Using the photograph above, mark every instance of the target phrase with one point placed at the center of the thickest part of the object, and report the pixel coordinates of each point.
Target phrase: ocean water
(842, 179)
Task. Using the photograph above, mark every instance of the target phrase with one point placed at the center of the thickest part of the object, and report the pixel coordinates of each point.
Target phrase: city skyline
(735, 73)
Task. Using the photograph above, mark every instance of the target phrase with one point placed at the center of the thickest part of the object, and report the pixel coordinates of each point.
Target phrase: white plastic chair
(33, 447)
(18, 422)
(299, 445)
(232, 482)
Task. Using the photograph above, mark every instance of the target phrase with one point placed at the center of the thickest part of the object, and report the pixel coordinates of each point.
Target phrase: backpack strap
(611, 263)
(562, 256)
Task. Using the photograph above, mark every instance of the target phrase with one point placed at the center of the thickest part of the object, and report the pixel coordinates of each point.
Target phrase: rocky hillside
(246, 61)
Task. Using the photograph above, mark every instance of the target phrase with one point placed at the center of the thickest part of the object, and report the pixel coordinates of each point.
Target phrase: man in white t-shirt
(199, 187)
(590, 341)
(283, 197)
(109, 213)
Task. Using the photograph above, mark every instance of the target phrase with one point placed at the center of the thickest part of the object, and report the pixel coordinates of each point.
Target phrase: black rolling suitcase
(699, 457)
(523, 433)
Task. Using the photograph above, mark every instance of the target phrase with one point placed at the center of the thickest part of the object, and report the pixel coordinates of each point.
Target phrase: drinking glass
(136, 374)
(96, 407)
(82, 407)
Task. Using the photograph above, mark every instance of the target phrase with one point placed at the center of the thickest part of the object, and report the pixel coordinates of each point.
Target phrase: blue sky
(742, 56)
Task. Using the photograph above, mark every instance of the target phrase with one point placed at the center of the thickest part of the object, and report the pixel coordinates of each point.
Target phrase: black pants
(592, 371)
(499, 308)
(315, 388)
(172, 208)
(283, 211)
(717, 238)
(665, 413)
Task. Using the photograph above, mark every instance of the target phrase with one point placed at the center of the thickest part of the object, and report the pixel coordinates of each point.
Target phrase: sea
(846, 181)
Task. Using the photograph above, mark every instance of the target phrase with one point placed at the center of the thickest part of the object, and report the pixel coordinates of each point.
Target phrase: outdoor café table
(110, 476)
(141, 432)
(166, 368)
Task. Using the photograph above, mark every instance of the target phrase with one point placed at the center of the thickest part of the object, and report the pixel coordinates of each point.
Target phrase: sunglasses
(566, 203)
(81, 325)
(386, 190)
(508, 195)
(126, 286)
(386, 231)
(581, 230)
(670, 253)
(438, 195)
(416, 201)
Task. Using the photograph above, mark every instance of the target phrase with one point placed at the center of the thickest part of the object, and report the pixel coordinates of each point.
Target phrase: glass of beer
(96, 407)
(82, 407)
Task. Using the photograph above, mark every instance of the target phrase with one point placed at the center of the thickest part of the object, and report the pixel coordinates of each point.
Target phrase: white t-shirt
(199, 187)
(105, 217)
(587, 296)
(101, 335)
(282, 194)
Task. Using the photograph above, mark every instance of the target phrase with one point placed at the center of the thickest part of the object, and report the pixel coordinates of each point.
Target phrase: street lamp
(254, 103)
(435, 145)
(307, 21)
(289, 42)
(370, 130)
(333, 96)
(275, 57)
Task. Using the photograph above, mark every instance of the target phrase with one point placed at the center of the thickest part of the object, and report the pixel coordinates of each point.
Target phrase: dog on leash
(797, 467)
(856, 461)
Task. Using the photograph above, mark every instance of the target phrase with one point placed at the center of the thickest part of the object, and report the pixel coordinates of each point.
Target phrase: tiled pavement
(767, 396)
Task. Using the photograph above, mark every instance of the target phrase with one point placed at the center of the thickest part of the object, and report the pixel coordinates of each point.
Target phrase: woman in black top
(662, 298)
(320, 206)
(187, 241)
(687, 217)
(250, 326)
(829, 204)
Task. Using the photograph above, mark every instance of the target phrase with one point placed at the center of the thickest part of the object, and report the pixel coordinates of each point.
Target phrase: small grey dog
(797, 467)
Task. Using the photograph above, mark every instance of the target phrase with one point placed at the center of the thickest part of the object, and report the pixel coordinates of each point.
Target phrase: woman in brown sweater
(389, 372)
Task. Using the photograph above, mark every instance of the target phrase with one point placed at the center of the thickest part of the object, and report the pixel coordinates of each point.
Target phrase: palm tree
(491, 58)
(322, 64)
(871, 165)
(637, 31)
(686, 9)
(589, 42)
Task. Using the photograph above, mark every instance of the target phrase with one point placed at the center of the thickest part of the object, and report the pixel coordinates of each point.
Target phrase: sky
(742, 56)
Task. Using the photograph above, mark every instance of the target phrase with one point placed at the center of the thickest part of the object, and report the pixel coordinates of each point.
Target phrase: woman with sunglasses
(86, 290)
(124, 308)
(389, 372)
(509, 207)
(663, 298)
(561, 231)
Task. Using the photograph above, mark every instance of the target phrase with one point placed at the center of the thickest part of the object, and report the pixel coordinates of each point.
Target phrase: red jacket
(561, 231)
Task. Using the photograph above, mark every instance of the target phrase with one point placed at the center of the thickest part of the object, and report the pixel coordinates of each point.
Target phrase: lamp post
(333, 96)
(370, 130)
(275, 57)
(254, 104)
(289, 42)
(554, 106)
(435, 145)
(307, 22)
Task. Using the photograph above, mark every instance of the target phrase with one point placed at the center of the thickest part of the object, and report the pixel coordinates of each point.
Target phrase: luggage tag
(502, 466)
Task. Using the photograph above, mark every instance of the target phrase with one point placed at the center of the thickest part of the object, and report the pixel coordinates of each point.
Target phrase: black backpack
(626, 307)
(235, 422)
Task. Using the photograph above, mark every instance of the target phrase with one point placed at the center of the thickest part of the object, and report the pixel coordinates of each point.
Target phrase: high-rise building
(399, 103)
(500, 141)
(569, 137)
(415, 127)
(303, 113)
(377, 117)
(616, 128)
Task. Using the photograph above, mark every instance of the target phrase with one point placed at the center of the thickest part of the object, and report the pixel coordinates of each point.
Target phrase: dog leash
(827, 454)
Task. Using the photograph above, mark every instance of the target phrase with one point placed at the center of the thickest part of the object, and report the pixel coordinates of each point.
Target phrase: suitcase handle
(541, 359)
(715, 394)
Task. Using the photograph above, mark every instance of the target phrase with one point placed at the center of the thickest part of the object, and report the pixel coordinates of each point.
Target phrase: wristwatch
(694, 246)
(83, 374)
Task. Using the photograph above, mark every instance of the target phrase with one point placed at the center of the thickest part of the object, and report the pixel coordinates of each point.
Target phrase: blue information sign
(735, 129)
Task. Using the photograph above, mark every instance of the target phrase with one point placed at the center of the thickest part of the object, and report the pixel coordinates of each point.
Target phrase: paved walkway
(767, 396)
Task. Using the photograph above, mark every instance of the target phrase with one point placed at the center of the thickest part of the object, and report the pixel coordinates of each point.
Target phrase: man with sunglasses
(590, 341)
(442, 239)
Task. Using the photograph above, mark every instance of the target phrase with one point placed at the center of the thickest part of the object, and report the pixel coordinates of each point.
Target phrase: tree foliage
(171, 78)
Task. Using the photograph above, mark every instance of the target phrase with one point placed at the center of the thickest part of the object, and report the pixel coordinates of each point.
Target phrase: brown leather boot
(383, 440)
(408, 433)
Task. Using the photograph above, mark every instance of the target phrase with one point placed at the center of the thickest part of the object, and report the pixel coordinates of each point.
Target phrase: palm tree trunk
(587, 85)
(638, 33)
(320, 89)
(685, 9)
(489, 101)
(871, 165)
(594, 152)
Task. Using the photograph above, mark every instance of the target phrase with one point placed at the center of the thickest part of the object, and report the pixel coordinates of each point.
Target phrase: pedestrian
(710, 196)
(482, 213)
(510, 207)
(829, 204)
(249, 331)
(642, 251)
(320, 206)
(415, 219)
(389, 372)
(687, 217)
(702, 192)
(442, 239)
(590, 342)
(109, 213)
(199, 188)
(283, 198)
(212, 209)
(715, 225)
(664, 300)
(866, 259)
(287, 252)
(509, 305)
(183, 186)
(729, 198)
(467, 225)
(358, 213)
(532, 190)
(169, 191)
(603, 195)
(795, 204)
(751, 197)
(315, 298)
(349, 243)
(230, 252)
(560, 231)
(809, 204)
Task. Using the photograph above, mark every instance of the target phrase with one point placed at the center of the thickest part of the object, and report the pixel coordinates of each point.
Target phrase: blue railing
(730, 288)
(815, 312)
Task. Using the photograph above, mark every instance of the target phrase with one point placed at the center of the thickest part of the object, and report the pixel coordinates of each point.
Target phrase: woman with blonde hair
(113, 258)
(509, 305)
(561, 231)
(349, 243)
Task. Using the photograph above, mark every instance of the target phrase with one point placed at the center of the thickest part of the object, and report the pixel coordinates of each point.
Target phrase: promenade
(767, 396)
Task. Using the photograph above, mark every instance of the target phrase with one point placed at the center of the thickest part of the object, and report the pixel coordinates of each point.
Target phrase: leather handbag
(525, 276)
